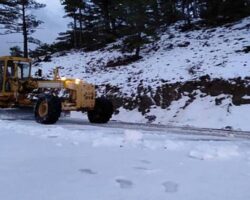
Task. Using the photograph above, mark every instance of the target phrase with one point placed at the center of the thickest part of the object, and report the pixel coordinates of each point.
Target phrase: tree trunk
(75, 32)
(106, 15)
(188, 14)
(138, 48)
(81, 28)
(113, 26)
(137, 51)
(25, 33)
(156, 9)
(195, 9)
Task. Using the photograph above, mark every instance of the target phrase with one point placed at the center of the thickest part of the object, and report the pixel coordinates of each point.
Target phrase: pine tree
(140, 22)
(105, 9)
(75, 10)
(233, 10)
(168, 11)
(215, 11)
(21, 19)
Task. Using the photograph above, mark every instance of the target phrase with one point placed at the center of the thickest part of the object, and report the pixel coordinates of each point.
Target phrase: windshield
(1, 68)
(23, 70)
(1, 74)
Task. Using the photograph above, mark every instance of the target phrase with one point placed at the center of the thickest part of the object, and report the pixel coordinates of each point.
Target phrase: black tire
(102, 112)
(48, 109)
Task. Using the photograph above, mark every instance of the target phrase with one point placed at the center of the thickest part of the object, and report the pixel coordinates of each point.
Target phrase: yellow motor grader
(48, 98)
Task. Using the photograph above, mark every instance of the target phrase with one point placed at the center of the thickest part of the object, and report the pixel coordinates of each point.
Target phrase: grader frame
(19, 89)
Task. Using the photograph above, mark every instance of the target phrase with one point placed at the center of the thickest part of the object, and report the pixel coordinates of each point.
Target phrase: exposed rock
(184, 44)
(164, 95)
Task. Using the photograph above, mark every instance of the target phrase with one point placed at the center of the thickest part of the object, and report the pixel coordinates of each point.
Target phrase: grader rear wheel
(48, 109)
(102, 112)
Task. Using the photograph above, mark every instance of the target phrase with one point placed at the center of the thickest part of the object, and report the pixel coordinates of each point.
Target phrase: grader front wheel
(102, 112)
(48, 109)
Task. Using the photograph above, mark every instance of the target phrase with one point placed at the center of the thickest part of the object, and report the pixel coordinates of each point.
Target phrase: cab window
(23, 70)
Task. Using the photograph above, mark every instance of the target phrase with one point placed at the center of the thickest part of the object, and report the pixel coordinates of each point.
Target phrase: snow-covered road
(75, 160)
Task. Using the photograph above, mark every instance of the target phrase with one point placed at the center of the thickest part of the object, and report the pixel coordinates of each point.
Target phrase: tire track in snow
(78, 125)
(163, 129)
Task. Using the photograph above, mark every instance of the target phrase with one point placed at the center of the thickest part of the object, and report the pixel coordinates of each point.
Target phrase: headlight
(77, 81)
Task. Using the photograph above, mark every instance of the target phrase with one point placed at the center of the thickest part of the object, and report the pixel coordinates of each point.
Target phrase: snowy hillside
(194, 78)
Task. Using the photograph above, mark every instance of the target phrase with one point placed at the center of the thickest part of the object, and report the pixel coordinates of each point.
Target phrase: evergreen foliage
(222, 11)
(98, 22)
(16, 51)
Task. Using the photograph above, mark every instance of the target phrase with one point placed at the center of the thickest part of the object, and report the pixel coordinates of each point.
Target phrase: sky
(51, 15)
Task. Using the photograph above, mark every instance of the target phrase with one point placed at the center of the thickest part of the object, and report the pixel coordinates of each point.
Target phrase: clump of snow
(213, 152)
(133, 136)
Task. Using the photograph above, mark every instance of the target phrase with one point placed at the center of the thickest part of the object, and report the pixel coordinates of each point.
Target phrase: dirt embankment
(162, 96)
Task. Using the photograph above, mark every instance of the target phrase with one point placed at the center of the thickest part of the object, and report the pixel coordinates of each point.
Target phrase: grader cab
(18, 89)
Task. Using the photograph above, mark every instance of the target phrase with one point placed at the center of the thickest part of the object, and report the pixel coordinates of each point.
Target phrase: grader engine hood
(80, 92)
(50, 84)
